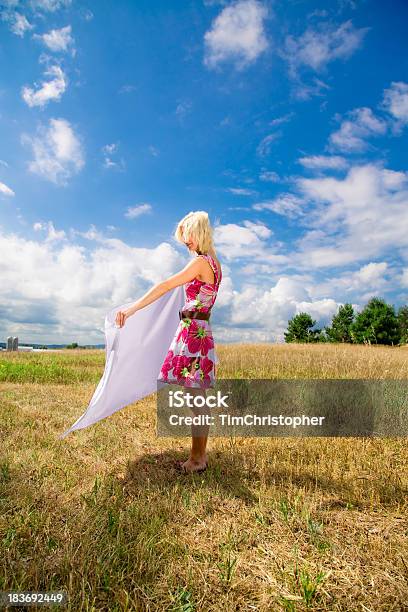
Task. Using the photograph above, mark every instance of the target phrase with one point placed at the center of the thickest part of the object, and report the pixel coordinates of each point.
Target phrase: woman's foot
(194, 465)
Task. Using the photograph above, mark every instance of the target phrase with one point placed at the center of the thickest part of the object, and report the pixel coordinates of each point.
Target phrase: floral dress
(190, 360)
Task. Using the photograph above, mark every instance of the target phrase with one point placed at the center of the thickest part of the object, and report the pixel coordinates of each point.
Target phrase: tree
(402, 318)
(376, 324)
(300, 329)
(340, 329)
(72, 346)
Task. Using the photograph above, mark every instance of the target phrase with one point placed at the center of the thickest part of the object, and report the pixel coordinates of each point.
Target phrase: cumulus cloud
(320, 45)
(395, 102)
(261, 315)
(136, 211)
(235, 240)
(373, 278)
(52, 233)
(5, 190)
(49, 90)
(18, 23)
(361, 123)
(248, 241)
(236, 35)
(57, 151)
(320, 162)
(56, 290)
(361, 216)
(49, 5)
(58, 40)
(286, 204)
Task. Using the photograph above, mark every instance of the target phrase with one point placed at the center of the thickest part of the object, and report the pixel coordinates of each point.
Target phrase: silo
(15, 344)
(10, 343)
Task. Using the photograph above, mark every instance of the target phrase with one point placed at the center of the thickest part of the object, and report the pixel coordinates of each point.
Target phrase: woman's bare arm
(191, 270)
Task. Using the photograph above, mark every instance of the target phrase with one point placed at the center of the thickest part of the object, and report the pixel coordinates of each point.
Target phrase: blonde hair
(196, 225)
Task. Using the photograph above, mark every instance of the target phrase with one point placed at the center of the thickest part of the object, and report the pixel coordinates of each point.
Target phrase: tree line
(377, 323)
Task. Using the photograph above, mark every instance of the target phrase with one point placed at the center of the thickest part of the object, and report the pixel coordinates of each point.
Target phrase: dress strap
(213, 265)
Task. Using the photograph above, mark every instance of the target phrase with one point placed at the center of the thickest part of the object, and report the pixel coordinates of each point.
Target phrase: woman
(190, 360)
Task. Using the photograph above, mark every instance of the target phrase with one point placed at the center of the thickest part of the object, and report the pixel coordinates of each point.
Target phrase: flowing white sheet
(134, 356)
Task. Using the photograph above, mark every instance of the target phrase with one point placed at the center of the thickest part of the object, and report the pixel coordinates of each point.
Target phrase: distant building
(12, 345)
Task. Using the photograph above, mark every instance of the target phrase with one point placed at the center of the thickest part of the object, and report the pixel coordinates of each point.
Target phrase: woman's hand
(121, 317)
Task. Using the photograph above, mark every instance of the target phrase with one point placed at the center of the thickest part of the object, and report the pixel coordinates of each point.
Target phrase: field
(281, 524)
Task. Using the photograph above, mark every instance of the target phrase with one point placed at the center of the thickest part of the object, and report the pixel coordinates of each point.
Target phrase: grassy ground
(279, 524)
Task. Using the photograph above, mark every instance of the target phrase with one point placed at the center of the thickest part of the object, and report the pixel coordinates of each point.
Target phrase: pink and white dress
(190, 360)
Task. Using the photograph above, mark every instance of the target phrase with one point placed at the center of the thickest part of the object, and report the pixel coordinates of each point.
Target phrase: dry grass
(274, 524)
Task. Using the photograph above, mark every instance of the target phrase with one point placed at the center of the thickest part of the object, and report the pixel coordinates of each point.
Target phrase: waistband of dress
(194, 314)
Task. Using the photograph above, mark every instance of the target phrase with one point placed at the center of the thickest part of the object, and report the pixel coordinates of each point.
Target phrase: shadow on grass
(230, 475)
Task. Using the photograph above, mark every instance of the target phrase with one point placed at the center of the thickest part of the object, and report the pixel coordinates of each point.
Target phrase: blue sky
(286, 121)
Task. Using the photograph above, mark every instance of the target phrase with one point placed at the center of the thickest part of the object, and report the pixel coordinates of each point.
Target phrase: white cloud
(135, 211)
(374, 277)
(358, 217)
(283, 119)
(404, 278)
(183, 108)
(264, 146)
(55, 290)
(249, 240)
(86, 14)
(395, 102)
(233, 240)
(304, 91)
(263, 315)
(154, 150)
(109, 150)
(57, 150)
(319, 162)
(58, 40)
(127, 88)
(353, 132)
(270, 176)
(6, 190)
(237, 34)
(240, 191)
(371, 274)
(19, 24)
(49, 90)
(52, 233)
(49, 5)
(286, 204)
(316, 47)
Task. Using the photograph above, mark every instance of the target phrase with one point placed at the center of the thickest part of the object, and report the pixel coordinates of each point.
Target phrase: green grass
(293, 524)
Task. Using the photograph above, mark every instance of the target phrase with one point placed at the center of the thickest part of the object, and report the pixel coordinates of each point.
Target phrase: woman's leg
(199, 436)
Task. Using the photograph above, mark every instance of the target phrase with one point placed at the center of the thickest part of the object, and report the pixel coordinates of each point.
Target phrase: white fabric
(134, 356)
